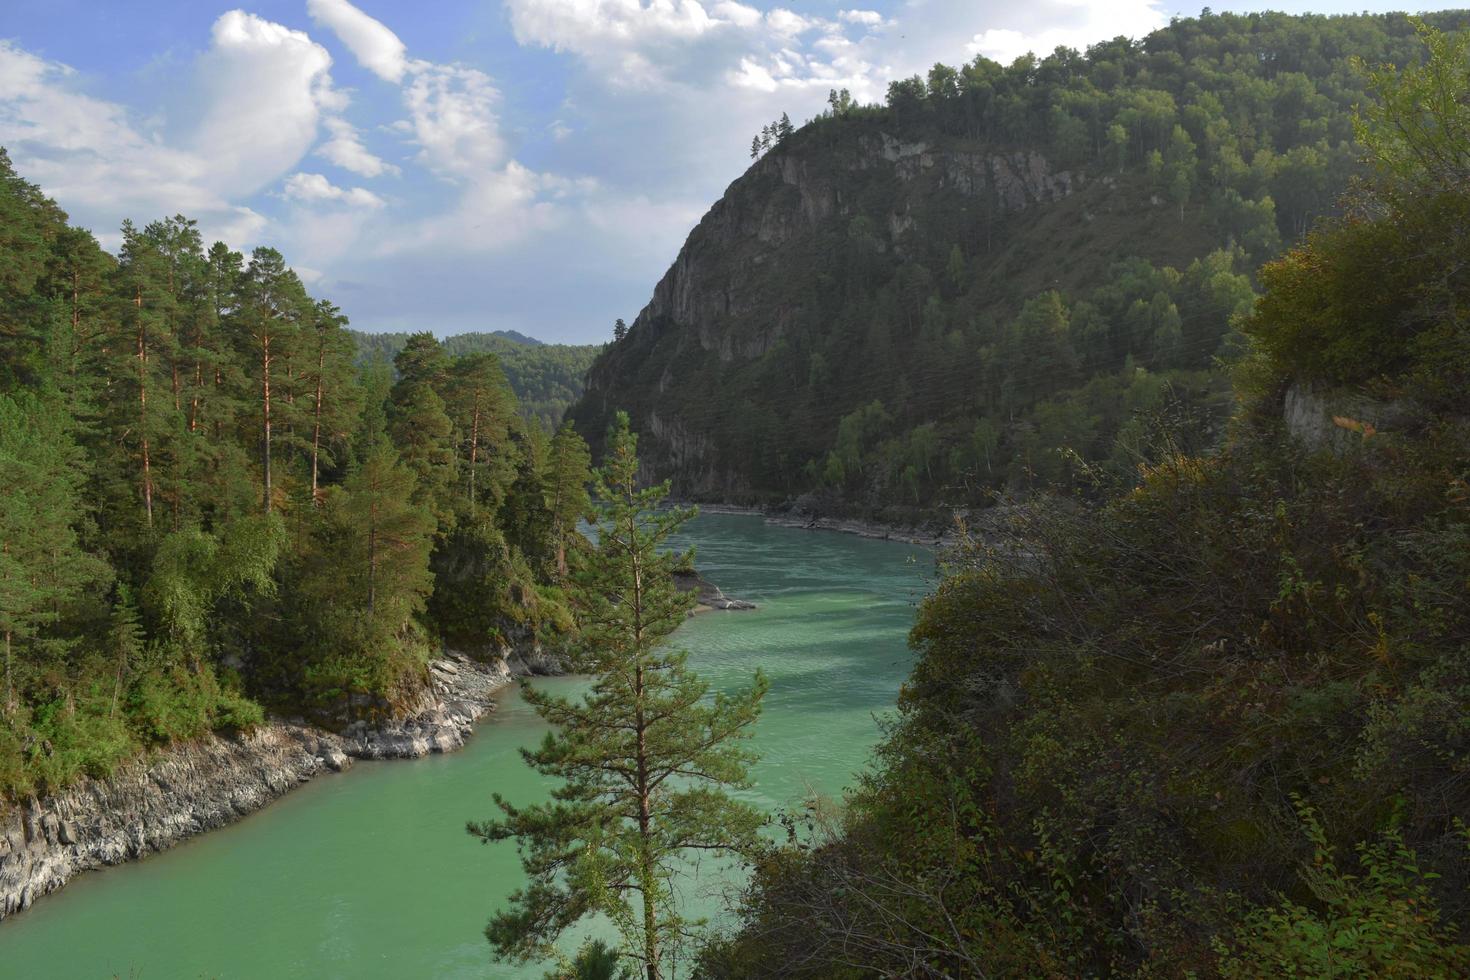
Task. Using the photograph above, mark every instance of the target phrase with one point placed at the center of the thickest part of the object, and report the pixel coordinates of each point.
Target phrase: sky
(461, 165)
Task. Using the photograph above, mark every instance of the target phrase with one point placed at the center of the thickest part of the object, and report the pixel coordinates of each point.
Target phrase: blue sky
(457, 165)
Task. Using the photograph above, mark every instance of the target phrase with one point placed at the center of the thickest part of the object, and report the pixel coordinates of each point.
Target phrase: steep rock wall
(735, 290)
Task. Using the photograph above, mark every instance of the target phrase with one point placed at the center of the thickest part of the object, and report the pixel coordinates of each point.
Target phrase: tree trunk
(474, 447)
(316, 427)
(143, 407)
(194, 401)
(122, 662)
(265, 394)
(646, 878)
(372, 556)
(9, 677)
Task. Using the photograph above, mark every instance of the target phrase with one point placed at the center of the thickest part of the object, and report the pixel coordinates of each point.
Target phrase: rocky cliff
(152, 804)
(801, 294)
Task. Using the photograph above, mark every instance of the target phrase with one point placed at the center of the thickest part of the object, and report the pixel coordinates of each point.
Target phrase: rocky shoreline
(154, 803)
(929, 537)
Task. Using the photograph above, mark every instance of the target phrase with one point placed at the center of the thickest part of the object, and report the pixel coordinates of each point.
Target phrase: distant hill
(514, 335)
(1000, 277)
(546, 378)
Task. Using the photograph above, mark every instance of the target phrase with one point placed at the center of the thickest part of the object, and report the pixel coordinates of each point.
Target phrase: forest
(214, 512)
(987, 349)
(1211, 724)
(1187, 694)
(545, 378)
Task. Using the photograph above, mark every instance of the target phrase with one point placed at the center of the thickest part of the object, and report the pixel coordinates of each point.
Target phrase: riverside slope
(151, 804)
(154, 803)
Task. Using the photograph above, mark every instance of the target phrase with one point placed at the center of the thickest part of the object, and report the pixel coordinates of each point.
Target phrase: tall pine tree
(644, 758)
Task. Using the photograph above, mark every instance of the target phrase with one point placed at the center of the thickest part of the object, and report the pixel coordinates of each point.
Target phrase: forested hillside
(546, 378)
(211, 511)
(1000, 275)
(1215, 724)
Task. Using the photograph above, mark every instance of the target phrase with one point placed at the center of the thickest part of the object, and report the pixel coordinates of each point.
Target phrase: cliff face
(761, 295)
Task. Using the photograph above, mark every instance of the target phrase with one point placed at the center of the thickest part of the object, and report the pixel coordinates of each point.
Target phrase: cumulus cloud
(317, 189)
(588, 27)
(452, 119)
(345, 149)
(1045, 25)
(868, 18)
(376, 47)
(86, 151)
(264, 86)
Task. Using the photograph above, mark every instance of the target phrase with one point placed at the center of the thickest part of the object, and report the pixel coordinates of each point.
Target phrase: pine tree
(390, 543)
(44, 571)
(421, 361)
(334, 404)
(645, 756)
(482, 408)
(568, 471)
(422, 433)
(125, 640)
(271, 302)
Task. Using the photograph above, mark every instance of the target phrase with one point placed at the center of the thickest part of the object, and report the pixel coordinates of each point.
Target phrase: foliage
(545, 378)
(1214, 140)
(213, 509)
(644, 759)
(1124, 711)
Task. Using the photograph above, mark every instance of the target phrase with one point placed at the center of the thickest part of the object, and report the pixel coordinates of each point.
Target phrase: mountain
(923, 302)
(514, 335)
(546, 378)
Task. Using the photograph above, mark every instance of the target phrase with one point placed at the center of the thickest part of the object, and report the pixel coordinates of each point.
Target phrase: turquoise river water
(370, 874)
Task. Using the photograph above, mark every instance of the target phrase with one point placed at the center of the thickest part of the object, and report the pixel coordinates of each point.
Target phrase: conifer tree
(568, 471)
(645, 757)
(390, 540)
(334, 405)
(44, 571)
(421, 431)
(271, 303)
(482, 408)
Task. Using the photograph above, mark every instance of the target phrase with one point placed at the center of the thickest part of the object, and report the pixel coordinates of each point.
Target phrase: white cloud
(868, 18)
(1046, 25)
(500, 208)
(376, 47)
(239, 226)
(263, 86)
(317, 189)
(787, 24)
(737, 13)
(586, 26)
(346, 150)
(452, 119)
(86, 151)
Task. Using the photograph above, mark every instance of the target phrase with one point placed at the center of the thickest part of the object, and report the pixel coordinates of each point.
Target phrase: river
(370, 873)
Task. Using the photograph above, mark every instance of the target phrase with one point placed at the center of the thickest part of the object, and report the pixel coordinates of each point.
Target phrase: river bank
(932, 534)
(152, 804)
(372, 876)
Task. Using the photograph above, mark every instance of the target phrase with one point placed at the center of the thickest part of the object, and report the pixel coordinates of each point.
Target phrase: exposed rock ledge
(154, 803)
(708, 595)
(929, 537)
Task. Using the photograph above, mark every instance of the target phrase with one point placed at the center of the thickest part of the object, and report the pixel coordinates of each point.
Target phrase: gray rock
(153, 803)
(708, 594)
